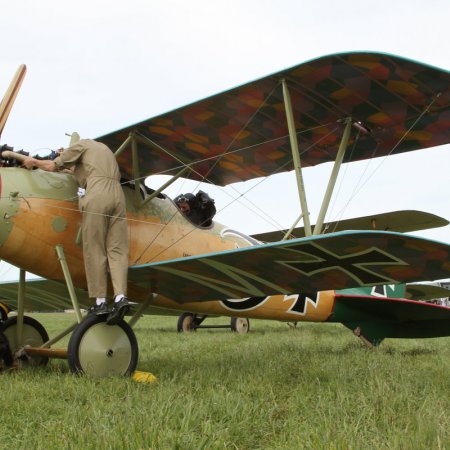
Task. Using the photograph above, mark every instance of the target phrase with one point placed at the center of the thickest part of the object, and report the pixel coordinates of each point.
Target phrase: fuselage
(39, 211)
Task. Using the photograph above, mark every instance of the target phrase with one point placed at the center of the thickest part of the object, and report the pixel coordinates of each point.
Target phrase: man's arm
(44, 164)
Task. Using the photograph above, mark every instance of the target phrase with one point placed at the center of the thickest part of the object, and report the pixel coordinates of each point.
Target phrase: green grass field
(313, 387)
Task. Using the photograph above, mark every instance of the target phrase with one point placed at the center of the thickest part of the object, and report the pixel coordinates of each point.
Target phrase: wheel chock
(143, 377)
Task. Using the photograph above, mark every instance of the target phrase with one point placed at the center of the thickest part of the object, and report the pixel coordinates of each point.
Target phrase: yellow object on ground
(143, 377)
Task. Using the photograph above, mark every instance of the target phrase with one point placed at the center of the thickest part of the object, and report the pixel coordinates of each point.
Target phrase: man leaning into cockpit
(104, 224)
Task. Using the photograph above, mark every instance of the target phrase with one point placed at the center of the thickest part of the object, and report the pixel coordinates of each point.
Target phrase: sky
(97, 66)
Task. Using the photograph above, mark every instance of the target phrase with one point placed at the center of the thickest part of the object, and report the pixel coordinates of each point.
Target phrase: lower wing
(44, 295)
(325, 262)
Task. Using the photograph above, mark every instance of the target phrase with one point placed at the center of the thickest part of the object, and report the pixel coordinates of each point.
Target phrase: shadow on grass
(410, 352)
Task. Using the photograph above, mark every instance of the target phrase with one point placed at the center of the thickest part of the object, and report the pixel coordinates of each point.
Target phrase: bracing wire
(363, 181)
(217, 157)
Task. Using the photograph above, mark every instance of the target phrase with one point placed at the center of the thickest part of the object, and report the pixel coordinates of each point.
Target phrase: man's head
(185, 202)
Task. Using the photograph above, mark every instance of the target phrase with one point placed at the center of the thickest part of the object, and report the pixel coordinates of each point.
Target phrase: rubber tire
(99, 350)
(4, 310)
(34, 335)
(186, 323)
(240, 325)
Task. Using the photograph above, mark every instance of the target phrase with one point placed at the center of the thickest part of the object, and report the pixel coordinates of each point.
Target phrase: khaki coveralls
(103, 208)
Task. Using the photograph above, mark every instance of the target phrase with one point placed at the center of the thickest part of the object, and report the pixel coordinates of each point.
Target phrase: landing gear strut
(191, 322)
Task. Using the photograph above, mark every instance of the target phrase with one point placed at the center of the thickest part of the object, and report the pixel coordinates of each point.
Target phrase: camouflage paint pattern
(242, 133)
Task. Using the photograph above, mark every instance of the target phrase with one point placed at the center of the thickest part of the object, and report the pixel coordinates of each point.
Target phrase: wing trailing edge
(397, 221)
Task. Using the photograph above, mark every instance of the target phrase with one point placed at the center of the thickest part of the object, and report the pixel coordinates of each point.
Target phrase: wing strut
(136, 172)
(124, 145)
(333, 177)
(296, 157)
(298, 169)
(288, 232)
(20, 307)
(166, 184)
(133, 139)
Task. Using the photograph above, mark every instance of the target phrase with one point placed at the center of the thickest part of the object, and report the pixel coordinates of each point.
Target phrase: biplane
(339, 109)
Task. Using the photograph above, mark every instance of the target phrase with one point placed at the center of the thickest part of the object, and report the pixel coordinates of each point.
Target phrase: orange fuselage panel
(32, 227)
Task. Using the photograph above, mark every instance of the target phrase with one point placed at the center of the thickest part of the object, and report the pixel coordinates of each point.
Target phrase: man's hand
(29, 163)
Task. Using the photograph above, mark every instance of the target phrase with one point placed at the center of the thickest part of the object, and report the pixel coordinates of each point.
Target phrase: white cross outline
(318, 259)
(308, 301)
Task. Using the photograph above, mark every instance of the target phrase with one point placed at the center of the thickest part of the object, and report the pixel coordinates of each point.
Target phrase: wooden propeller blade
(10, 96)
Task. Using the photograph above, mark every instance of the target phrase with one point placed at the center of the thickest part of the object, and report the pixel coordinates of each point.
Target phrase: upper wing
(333, 261)
(242, 133)
(398, 221)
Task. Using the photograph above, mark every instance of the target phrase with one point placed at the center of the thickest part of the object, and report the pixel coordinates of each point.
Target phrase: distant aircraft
(342, 108)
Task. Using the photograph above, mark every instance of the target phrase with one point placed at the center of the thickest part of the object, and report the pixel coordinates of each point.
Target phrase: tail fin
(386, 291)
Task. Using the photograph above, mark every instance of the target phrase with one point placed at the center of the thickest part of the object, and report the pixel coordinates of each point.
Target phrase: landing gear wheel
(101, 350)
(186, 322)
(4, 310)
(240, 325)
(33, 335)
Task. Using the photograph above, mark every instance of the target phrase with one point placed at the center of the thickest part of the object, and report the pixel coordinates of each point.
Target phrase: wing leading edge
(242, 133)
(326, 262)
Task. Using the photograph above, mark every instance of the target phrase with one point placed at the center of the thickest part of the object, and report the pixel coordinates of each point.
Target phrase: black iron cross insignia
(356, 265)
